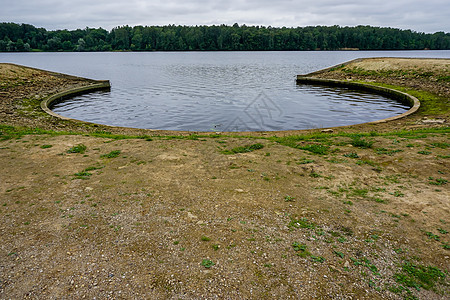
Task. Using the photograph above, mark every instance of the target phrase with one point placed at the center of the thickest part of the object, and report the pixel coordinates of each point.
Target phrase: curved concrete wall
(404, 98)
(59, 97)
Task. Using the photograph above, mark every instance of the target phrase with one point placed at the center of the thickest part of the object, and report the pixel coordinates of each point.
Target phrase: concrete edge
(59, 97)
(404, 98)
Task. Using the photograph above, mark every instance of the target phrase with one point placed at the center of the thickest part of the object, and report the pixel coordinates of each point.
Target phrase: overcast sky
(418, 15)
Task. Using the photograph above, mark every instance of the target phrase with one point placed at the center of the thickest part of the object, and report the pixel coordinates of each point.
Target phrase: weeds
(207, 263)
(301, 249)
(316, 148)
(424, 152)
(289, 199)
(82, 175)
(437, 181)
(385, 151)
(301, 223)
(80, 148)
(358, 142)
(112, 154)
(352, 155)
(432, 236)
(417, 276)
(243, 149)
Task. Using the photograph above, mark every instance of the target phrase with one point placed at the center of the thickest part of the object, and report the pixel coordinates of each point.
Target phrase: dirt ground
(358, 213)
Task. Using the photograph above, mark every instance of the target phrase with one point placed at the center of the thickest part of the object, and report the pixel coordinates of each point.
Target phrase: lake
(215, 91)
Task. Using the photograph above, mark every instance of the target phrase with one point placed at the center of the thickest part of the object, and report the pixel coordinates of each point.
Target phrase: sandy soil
(176, 218)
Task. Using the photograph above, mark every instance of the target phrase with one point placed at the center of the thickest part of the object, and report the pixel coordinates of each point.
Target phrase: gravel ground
(318, 216)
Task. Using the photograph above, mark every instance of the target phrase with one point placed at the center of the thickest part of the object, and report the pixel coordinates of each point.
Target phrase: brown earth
(139, 225)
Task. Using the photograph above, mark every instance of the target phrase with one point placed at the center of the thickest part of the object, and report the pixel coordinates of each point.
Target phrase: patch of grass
(244, 149)
(207, 263)
(366, 263)
(112, 154)
(352, 155)
(432, 236)
(339, 254)
(46, 146)
(301, 223)
(385, 151)
(419, 276)
(443, 231)
(319, 259)
(315, 175)
(437, 181)
(359, 192)
(289, 198)
(398, 194)
(358, 142)
(301, 249)
(304, 161)
(316, 148)
(441, 145)
(205, 238)
(424, 152)
(92, 168)
(80, 148)
(82, 175)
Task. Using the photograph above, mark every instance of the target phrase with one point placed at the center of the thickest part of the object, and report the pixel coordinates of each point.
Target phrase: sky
(419, 15)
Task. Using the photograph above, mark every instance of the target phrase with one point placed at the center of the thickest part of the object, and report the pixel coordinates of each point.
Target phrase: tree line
(24, 37)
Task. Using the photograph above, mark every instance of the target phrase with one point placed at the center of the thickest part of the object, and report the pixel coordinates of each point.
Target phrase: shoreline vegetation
(25, 37)
(359, 211)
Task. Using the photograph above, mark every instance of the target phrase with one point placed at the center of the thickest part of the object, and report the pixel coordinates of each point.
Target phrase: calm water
(215, 91)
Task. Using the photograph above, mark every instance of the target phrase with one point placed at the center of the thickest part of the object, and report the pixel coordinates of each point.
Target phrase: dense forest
(25, 37)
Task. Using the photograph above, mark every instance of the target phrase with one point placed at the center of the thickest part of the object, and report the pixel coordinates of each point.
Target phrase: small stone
(239, 190)
(328, 130)
(347, 264)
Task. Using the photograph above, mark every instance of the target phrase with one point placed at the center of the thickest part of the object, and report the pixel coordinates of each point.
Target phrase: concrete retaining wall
(59, 97)
(404, 98)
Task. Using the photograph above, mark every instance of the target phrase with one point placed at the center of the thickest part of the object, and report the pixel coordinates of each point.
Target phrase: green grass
(385, 151)
(289, 198)
(301, 249)
(207, 263)
(14, 132)
(437, 181)
(358, 142)
(80, 148)
(419, 276)
(441, 145)
(244, 149)
(301, 223)
(112, 154)
(92, 168)
(424, 152)
(82, 175)
(351, 155)
(315, 148)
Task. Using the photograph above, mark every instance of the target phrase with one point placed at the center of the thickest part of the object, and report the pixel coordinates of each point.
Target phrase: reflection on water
(215, 91)
(196, 109)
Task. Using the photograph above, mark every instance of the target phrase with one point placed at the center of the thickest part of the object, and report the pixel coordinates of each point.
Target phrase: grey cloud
(418, 15)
